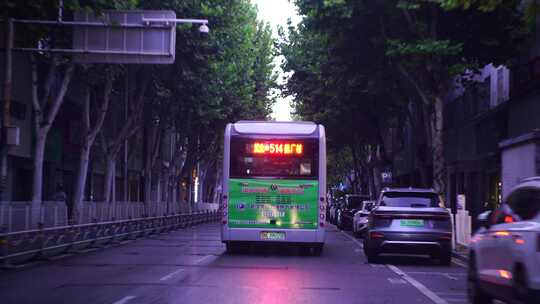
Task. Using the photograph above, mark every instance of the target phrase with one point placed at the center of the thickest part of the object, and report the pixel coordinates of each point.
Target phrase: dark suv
(409, 220)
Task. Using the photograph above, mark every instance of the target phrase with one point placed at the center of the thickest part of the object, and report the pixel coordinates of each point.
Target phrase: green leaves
(425, 47)
(358, 65)
(482, 5)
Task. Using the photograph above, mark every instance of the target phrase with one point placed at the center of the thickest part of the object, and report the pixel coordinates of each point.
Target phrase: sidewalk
(461, 253)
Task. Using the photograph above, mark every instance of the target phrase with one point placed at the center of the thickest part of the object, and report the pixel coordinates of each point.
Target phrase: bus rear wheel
(317, 249)
(231, 247)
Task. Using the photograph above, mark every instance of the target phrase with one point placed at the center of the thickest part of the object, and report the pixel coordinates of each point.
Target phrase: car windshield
(410, 199)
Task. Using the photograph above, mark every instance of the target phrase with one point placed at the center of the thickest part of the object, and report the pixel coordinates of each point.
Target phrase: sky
(277, 12)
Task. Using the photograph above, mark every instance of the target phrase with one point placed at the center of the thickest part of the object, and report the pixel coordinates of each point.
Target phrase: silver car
(360, 219)
(409, 220)
(504, 261)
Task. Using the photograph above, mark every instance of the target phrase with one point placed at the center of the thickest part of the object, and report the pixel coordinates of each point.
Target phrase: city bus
(274, 184)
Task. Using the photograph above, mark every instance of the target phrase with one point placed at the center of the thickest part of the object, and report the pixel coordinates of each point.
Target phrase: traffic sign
(136, 37)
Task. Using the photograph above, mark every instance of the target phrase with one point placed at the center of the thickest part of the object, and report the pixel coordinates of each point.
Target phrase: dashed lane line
(396, 281)
(421, 287)
(125, 300)
(199, 261)
(170, 275)
(446, 274)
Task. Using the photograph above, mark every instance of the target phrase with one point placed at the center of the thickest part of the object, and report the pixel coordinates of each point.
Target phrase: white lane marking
(170, 275)
(397, 281)
(353, 239)
(357, 250)
(203, 258)
(451, 277)
(452, 294)
(458, 262)
(436, 273)
(378, 265)
(423, 289)
(125, 300)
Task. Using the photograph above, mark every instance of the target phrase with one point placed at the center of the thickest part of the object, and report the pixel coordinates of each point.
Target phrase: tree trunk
(80, 183)
(439, 182)
(109, 175)
(37, 186)
(356, 180)
(44, 115)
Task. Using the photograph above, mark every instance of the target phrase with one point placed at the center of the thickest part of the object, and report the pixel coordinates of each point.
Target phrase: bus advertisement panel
(259, 203)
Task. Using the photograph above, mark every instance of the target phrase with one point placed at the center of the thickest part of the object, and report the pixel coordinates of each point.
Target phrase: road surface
(191, 266)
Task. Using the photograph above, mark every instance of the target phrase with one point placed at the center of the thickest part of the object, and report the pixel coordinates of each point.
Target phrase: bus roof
(275, 127)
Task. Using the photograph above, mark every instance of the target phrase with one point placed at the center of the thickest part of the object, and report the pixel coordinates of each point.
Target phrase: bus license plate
(412, 223)
(272, 236)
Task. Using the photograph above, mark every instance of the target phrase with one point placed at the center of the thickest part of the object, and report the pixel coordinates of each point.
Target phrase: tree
(442, 40)
(357, 67)
(90, 130)
(216, 80)
(342, 80)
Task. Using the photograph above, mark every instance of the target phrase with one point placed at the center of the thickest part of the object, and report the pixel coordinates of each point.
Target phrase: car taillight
(446, 236)
(508, 219)
(376, 235)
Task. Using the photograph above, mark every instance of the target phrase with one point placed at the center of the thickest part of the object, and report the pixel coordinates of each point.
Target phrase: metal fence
(22, 246)
(20, 216)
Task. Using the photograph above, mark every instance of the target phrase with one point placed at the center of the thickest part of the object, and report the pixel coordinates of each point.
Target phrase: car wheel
(445, 259)
(474, 291)
(231, 248)
(520, 286)
(372, 254)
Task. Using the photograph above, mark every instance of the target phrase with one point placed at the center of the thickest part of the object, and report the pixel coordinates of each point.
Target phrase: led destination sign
(277, 148)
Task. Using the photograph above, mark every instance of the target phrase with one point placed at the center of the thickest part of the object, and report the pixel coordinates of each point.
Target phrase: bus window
(284, 158)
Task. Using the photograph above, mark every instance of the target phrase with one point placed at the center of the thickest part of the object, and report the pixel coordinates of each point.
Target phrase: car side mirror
(483, 219)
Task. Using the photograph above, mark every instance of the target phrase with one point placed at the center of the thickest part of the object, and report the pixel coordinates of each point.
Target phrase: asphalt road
(190, 266)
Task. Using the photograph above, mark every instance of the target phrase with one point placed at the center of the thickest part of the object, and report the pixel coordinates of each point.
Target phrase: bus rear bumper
(299, 236)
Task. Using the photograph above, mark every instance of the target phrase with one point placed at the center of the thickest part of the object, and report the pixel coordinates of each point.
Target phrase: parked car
(352, 203)
(360, 219)
(328, 208)
(504, 256)
(409, 220)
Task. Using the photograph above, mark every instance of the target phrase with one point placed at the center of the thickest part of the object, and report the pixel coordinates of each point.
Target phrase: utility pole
(6, 121)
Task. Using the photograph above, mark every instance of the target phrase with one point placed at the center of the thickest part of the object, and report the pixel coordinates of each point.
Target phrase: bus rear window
(281, 158)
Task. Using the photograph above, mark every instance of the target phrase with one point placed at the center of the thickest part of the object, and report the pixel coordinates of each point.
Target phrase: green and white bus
(274, 184)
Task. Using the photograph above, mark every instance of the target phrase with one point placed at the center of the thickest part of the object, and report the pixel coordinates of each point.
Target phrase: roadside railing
(21, 216)
(42, 243)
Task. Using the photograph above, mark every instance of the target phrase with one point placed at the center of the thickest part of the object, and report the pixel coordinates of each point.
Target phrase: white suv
(504, 261)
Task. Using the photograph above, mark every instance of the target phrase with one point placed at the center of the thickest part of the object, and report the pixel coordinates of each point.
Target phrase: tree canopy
(358, 65)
